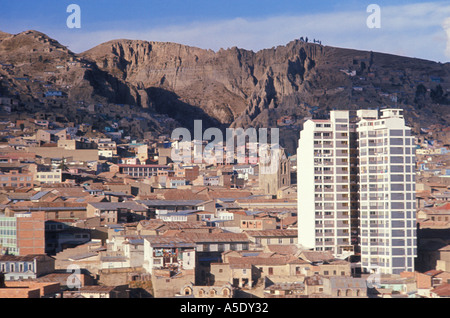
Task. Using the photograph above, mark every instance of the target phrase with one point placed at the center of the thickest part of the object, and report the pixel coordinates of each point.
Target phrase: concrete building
(131, 247)
(264, 238)
(175, 182)
(22, 234)
(12, 175)
(51, 135)
(285, 290)
(139, 171)
(224, 290)
(378, 222)
(81, 155)
(107, 145)
(117, 212)
(46, 174)
(73, 144)
(443, 262)
(53, 210)
(244, 171)
(159, 207)
(59, 236)
(324, 184)
(349, 287)
(387, 192)
(28, 289)
(172, 253)
(26, 267)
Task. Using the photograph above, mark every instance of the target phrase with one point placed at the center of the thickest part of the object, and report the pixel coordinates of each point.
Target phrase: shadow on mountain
(110, 87)
(169, 103)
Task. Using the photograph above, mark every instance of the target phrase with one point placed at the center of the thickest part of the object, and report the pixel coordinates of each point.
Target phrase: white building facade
(387, 192)
(49, 176)
(382, 212)
(323, 178)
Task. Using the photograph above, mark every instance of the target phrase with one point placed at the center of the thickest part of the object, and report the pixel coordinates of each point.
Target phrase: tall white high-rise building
(324, 184)
(386, 192)
(356, 189)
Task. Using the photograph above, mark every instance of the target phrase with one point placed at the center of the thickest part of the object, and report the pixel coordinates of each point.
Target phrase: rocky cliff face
(225, 85)
(237, 87)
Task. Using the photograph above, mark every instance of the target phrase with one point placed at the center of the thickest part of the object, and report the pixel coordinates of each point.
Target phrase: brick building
(12, 175)
(28, 289)
(23, 233)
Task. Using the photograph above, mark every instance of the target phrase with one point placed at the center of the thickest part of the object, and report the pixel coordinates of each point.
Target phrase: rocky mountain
(278, 86)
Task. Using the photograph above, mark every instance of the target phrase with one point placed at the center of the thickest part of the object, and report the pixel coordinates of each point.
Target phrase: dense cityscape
(101, 217)
(143, 169)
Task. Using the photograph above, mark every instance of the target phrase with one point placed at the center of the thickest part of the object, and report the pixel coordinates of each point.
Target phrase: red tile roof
(445, 206)
(442, 291)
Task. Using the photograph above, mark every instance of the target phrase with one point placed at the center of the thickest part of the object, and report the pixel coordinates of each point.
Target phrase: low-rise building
(285, 290)
(259, 224)
(180, 216)
(159, 227)
(176, 254)
(442, 291)
(349, 287)
(60, 235)
(393, 286)
(29, 289)
(223, 290)
(48, 175)
(175, 182)
(26, 267)
(443, 262)
(22, 233)
(139, 171)
(51, 135)
(15, 176)
(264, 238)
(86, 256)
(130, 247)
(158, 207)
(117, 212)
(53, 210)
(245, 269)
(314, 285)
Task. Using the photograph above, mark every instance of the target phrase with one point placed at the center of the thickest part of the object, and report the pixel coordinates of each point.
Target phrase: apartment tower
(356, 189)
(324, 185)
(387, 192)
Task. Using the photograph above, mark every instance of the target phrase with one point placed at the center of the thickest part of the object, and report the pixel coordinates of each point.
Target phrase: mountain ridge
(233, 87)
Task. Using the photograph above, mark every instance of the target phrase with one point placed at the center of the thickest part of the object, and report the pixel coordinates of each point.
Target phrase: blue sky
(411, 28)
